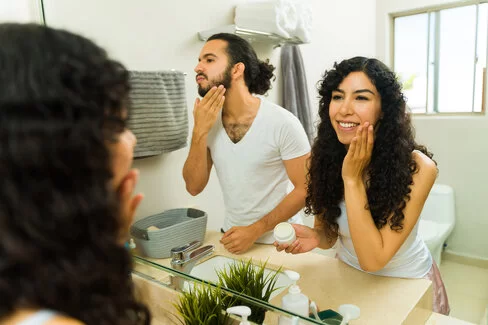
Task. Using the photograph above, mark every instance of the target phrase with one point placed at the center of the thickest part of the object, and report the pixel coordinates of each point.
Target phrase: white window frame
(428, 10)
(41, 14)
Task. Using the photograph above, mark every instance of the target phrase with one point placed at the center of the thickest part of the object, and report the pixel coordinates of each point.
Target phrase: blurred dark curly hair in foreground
(61, 101)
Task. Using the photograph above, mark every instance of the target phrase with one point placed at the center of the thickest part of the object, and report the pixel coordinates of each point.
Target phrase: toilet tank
(439, 206)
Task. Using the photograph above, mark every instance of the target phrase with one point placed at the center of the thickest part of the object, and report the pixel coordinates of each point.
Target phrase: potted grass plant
(248, 279)
(202, 304)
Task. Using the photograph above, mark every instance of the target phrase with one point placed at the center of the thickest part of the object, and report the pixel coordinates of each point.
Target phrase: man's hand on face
(205, 111)
(239, 239)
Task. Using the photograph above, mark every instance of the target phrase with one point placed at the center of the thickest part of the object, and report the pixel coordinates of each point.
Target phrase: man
(257, 147)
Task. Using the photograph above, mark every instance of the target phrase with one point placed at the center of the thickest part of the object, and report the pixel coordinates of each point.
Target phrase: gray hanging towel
(159, 115)
(295, 92)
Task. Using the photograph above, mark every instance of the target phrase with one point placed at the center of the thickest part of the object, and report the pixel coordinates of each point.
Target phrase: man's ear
(238, 70)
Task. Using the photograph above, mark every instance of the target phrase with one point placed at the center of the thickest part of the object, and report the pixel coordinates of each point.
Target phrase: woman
(368, 178)
(66, 199)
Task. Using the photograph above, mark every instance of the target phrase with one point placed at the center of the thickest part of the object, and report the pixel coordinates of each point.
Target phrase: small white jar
(284, 233)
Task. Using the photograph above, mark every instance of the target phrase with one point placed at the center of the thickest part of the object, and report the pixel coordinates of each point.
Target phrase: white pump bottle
(294, 301)
(242, 311)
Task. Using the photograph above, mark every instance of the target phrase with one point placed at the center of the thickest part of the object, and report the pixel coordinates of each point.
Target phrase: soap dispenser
(242, 311)
(349, 312)
(295, 301)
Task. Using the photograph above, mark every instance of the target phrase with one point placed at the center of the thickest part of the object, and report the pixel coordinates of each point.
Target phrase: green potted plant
(251, 280)
(202, 304)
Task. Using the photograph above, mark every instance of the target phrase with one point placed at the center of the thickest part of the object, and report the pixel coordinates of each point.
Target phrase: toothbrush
(313, 307)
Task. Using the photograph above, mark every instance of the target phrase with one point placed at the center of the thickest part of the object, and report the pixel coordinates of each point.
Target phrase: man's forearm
(195, 170)
(287, 208)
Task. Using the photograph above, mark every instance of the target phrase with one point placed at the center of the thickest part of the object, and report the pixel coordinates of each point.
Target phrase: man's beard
(224, 79)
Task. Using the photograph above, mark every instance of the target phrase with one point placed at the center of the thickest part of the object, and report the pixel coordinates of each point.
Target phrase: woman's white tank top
(413, 259)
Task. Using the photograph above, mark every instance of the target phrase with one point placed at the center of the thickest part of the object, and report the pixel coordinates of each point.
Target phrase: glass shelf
(161, 275)
(250, 35)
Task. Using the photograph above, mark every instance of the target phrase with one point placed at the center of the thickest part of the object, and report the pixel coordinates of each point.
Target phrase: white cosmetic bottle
(294, 301)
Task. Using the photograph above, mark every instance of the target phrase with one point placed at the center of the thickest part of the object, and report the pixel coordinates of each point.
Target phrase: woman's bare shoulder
(63, 320)
(424, 163)
(23, 314)
(426, 168)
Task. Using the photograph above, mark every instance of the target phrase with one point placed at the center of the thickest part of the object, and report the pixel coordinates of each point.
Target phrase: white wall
(460, 148)
(21, 11)
(152, 34)
(162, 34)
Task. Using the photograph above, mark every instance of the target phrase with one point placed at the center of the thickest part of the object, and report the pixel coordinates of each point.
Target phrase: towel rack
(250, 35)
(174, 70)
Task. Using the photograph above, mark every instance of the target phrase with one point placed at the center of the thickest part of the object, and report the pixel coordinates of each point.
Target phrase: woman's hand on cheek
(128, 201)
(359, 154)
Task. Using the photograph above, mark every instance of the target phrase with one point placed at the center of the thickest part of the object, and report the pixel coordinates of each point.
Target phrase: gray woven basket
(177, 227)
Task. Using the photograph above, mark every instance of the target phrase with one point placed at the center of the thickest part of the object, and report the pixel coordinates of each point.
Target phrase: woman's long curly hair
(391, 167)
(61, 101)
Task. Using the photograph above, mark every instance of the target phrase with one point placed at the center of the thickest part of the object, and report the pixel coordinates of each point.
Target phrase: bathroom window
(440, 57)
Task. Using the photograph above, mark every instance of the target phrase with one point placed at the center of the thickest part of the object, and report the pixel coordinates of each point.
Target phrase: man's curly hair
(61, 101)
(392, 166)
(257, 74)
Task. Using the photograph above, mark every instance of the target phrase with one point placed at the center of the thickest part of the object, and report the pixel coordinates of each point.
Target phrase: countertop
(331, 283)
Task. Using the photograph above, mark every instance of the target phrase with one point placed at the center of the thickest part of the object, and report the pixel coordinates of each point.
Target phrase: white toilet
(437, 219)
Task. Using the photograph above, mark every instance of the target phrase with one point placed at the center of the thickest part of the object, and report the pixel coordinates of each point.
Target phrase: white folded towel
(276, 17)
(304, 21)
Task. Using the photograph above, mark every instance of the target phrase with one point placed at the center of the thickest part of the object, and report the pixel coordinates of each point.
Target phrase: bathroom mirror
(163, 34)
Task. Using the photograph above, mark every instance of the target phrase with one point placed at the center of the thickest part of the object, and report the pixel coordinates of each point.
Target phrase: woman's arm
(374, 247)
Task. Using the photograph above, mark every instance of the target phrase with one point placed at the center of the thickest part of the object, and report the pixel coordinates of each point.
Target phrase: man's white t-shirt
(251, 172)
